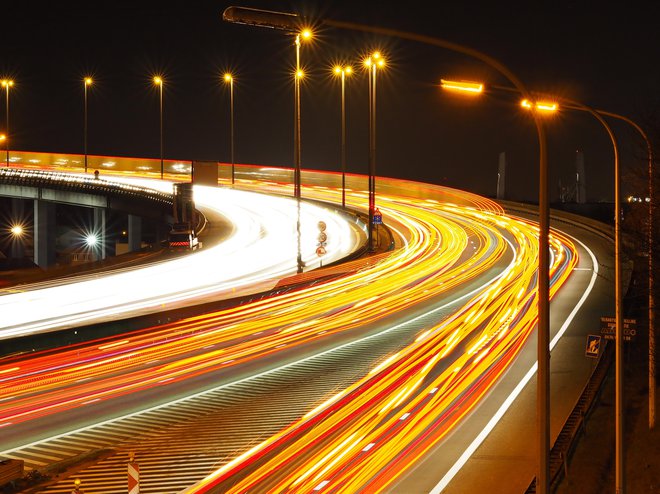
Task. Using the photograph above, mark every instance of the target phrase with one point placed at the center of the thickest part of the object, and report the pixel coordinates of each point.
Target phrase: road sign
(133, 478)
(323, 237)
(320, 251)
(608, 328)
(378, 217)
(593, 346)
(322, 226)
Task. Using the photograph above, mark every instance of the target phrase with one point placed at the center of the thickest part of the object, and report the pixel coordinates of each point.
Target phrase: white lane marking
(462, 460)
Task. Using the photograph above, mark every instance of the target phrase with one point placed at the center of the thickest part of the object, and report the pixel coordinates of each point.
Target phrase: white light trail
(262, 249)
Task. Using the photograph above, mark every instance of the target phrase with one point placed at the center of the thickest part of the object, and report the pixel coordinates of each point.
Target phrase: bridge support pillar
(44, 233)
(134, 233)
(99, 229)
(18, 216)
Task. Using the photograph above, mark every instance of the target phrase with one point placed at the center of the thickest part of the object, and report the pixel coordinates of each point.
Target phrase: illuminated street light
(545, 106)
(229, 79)
(343, 71)
(304, 34)
(7, 83)
(618, 289)
(373, 63)
(475, 88)
(291, 24)
(17, 230)
(87, 82)
(91, 239)
(467, 87)
(158, 81)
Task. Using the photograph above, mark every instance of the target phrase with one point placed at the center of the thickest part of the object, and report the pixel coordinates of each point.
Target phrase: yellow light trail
(366, 435)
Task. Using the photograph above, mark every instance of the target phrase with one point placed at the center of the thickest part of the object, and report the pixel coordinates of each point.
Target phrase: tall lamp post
(158, 81)
(618, 280)
(372, 63)
(540, 106)
(290, 24)
(305, 34)
(343, 71)
(618, 289)
(649, 233)
(7, 84)
(229, 79)
(87, 83)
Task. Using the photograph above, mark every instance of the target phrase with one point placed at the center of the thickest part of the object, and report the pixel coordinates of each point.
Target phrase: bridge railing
(67, 181)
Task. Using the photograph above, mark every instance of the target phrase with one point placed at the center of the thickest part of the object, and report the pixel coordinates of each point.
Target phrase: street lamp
(343, 71)
(87, 82)
(291, 24)
(158, 81)
(372, 63)
(550, 105)
(304, 34)
(230, 80)
(649, 233)
(7, 83)
(618, 295)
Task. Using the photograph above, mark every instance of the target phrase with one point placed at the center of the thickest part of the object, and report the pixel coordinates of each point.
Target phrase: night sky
(608, 58)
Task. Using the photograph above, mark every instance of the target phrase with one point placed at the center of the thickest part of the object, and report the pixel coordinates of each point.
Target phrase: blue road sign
(378, 217)
(593, 346)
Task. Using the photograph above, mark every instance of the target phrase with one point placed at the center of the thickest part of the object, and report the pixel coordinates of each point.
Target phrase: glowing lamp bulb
(91, 240)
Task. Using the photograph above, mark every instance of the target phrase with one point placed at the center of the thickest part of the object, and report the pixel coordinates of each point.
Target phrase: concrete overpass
(46, 189)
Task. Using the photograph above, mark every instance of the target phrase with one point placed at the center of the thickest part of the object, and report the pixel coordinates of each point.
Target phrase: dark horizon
(423, 134)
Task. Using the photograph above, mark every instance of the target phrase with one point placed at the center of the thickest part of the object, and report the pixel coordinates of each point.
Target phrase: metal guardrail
(594, 226)
(566, 442)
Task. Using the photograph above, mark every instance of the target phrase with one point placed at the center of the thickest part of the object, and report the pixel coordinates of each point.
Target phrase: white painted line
(462, 460)
(321, 485)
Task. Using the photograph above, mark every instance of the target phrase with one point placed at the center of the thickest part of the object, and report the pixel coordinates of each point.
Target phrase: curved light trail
(257, 329)
(369, 433)
(363, 438)
(261, 249)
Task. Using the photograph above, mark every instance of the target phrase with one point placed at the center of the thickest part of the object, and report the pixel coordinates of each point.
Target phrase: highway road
(466, 253)
(365, 436)
(260, 248)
